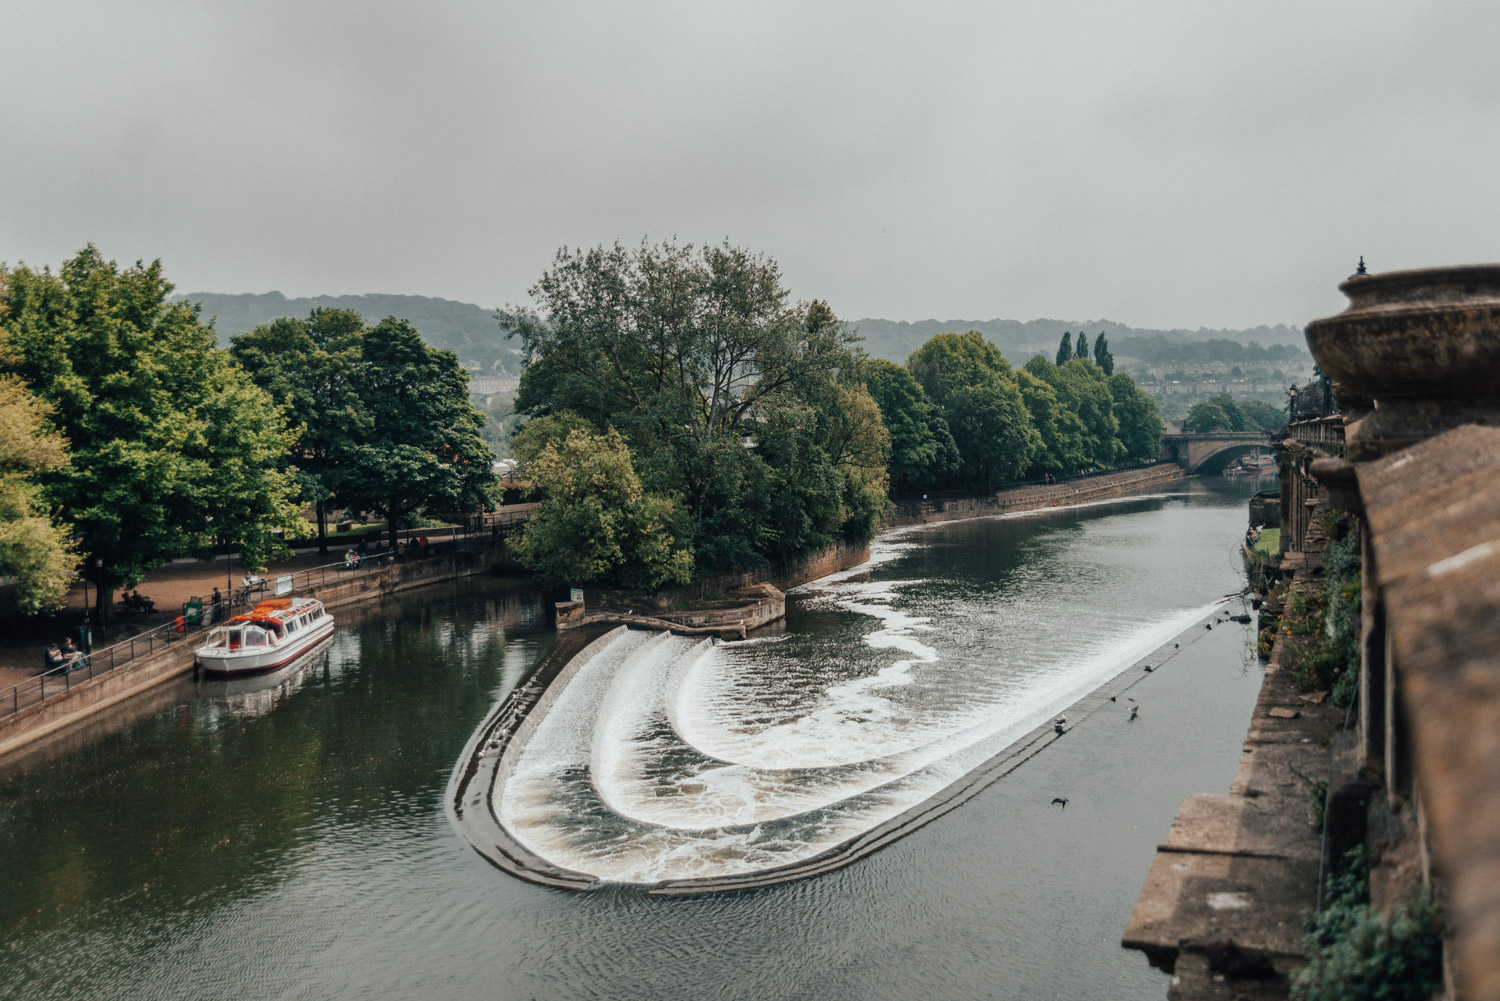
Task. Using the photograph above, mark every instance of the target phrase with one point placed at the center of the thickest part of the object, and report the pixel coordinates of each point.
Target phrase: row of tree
(1067, 350)
(685, 418)
(960, 416)
(1222, 412)
(128, 437)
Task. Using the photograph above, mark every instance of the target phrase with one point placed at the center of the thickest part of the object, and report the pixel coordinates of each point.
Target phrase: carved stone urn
(1424, 346)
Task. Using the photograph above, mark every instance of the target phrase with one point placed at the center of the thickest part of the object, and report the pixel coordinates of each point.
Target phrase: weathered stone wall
(1032, 498)
(829, 559)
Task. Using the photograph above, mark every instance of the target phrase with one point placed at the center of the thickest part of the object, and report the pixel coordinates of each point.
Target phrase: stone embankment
(1223, 906)
(1037, 497)
(85, 698)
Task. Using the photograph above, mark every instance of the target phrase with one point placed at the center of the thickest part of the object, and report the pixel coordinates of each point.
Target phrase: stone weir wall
(88, 697)
(1031, 498)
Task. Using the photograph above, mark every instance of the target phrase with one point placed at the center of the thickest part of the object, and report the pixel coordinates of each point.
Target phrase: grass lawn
(1269, 541)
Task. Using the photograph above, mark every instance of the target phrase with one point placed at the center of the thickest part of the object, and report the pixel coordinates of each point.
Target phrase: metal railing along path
(102, 660)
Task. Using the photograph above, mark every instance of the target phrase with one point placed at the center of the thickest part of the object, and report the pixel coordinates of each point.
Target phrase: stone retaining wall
(88, 697)
(1035, 497)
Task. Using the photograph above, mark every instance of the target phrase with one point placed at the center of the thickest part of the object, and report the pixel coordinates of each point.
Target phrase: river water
(285, 837)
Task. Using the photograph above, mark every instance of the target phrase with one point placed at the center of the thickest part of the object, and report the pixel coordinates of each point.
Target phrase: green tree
(1102, 356)
(728, 395)
(1065, 347)
(980, 398)
(311, 367)
(165, 431)
(1140, 422)
(596, 525)
(922, 448)
(1080, 386)
(423, 447)
(1081, 349)
(1205, 417)
(35, 549)
(1259, 414)
(1060, 430)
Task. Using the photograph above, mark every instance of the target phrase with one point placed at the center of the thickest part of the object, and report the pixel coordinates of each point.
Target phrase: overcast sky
(1158, 162)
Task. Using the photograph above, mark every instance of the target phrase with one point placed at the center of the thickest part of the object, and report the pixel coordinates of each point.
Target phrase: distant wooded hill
(471, 332)
(467, 330)
(1018, 340)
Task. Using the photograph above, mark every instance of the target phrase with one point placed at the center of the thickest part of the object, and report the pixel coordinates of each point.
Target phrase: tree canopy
(387, 425)
(165, 431)
(748, 410)
(311, 367)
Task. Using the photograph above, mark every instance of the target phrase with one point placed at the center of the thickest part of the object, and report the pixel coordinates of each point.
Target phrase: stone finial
(1423, 346)
(1361, 270)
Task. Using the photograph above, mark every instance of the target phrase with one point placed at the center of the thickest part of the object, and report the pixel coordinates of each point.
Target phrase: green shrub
(1356, 953)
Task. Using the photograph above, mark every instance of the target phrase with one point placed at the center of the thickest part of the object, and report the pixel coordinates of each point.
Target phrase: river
(286, 837)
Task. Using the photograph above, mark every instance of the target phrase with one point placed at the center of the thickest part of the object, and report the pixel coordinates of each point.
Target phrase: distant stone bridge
(1210, 453)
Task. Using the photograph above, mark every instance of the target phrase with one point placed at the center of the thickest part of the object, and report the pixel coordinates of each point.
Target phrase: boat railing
(102, 660)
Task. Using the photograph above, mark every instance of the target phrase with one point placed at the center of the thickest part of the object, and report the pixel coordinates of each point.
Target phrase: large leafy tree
(1102, 355)
(422, 446)
(980, 398)
(596, 524)
(1080, 385)
(172, 445)
(728, 396)
(1206, 417)
(1140, 422)
(35, 548)
(312, 368)
(1060, 430)
(922, 448)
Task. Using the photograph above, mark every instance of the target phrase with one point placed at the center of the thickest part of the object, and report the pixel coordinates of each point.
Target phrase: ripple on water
(672, 758)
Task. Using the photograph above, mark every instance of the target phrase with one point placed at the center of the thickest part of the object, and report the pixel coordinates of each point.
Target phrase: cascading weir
(687, 766)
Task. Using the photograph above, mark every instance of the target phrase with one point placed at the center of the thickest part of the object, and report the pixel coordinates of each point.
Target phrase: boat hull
(219, 663)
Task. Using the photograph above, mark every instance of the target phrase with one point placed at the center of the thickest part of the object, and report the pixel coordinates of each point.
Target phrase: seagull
(1149, 668)
(1058, 727)
(1060, 799)
(1061, 719)
(1176, 645)
(1113, 697)
(1134, 710)
(1208, 625)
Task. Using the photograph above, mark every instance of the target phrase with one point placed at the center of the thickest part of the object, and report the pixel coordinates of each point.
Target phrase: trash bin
(85, 637)
(192, 610)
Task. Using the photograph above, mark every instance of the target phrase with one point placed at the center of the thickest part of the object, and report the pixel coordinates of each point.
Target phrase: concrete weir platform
(1224, 904)
(483, 765)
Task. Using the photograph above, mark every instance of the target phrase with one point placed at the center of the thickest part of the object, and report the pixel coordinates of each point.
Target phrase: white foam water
(647, 767)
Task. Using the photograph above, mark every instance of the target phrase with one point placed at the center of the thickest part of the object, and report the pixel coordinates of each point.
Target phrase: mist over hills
(471, 332)
(467, 330)
(1018, 340)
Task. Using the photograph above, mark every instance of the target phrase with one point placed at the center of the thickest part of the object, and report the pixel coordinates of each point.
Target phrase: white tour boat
(273, 633)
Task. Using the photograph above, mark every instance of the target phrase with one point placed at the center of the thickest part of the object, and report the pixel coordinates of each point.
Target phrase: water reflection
(171, 851)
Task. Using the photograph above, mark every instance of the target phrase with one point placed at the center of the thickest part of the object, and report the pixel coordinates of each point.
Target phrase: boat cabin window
(291, 626)
(254, 636)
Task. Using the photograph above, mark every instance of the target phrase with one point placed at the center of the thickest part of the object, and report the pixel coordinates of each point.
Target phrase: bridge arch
(1218, 460)
(1211, 452)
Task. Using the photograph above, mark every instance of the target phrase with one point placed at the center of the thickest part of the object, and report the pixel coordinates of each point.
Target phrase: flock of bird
(1059, 725)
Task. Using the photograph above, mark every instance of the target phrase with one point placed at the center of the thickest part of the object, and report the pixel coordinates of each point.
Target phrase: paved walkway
(25, 638)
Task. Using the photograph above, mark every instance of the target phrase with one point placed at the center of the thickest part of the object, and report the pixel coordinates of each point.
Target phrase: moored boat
(273, 633)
